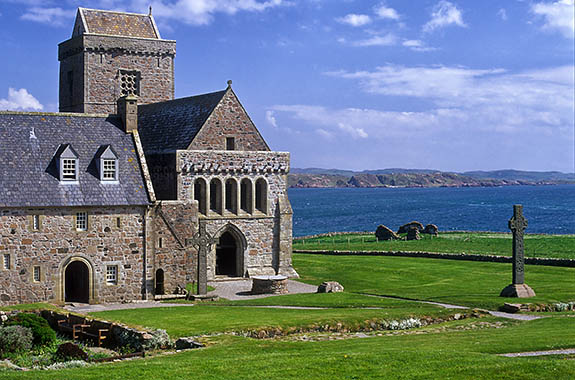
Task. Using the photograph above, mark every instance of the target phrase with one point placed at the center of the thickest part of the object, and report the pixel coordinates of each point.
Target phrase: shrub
(14, 339)
(41, 332)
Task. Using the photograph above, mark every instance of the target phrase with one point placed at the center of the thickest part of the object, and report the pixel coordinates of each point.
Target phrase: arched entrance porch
(230, 248)
(77, 282)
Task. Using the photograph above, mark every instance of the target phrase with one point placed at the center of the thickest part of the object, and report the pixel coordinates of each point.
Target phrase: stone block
(330, 287)
(517, 291)
(187, 343)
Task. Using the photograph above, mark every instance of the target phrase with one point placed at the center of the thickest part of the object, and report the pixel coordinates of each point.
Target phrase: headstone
(431, 229)
(330, 287)
(203, 241)
(384, 233)
(405, 228)
(518, 224)
(413, 234)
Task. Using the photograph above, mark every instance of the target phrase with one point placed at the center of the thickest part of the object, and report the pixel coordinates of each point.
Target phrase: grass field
(433, 355)
(557, 246)
(464, 349)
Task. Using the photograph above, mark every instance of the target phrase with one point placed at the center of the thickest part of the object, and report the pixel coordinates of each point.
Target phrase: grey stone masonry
(113, 237)
(91, 67)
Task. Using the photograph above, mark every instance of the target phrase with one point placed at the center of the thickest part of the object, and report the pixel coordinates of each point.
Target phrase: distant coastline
(421, 178)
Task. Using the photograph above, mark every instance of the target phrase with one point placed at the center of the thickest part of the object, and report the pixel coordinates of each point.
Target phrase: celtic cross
(203, 241)
(518, 224)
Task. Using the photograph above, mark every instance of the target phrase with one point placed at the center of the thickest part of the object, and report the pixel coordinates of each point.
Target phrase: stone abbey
(104, 201)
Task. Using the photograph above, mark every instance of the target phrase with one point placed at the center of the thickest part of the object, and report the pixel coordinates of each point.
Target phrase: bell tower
(111, 55)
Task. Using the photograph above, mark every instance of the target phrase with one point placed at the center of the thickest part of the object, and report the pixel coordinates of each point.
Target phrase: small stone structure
(187, 343)
(518, 288)
(384, 233)
(269, 285)
(330, 287)
(413, 234)
(405, 228)
(431, 229)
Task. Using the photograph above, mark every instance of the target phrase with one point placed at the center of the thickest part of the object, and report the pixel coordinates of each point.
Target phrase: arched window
(232, 196)
(216, 195)
(262, 195)
(246, 196)
(200, 194)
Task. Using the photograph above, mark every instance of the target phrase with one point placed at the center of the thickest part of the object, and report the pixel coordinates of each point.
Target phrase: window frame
(36, 273)
(63, 175)
(112, 275)
(104, 171)
(230, 141)
(77, 220)
(6, 261)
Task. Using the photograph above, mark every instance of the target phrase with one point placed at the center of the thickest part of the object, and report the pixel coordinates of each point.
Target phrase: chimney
(128, 110)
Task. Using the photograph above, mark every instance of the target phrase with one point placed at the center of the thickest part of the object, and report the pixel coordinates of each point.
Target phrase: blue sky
(449, 85)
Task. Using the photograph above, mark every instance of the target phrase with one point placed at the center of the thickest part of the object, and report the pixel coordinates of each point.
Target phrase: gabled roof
(172, 125)
(28, 169)
(93, 21)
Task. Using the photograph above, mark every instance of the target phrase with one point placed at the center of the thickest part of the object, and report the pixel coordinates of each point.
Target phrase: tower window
(230, 143)
(129, 83)
(35, 222)
(6, 261)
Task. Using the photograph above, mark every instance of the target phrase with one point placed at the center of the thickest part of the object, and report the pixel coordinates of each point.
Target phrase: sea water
(549, 209)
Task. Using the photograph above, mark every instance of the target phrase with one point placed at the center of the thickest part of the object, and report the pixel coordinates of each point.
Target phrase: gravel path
(85, 308)
(518, 317)
(569, 351)
(240, 289)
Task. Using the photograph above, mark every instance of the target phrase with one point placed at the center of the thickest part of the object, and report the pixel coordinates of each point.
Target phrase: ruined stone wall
(229, 119)
(99, 61)
(106, 242)
(265, 235)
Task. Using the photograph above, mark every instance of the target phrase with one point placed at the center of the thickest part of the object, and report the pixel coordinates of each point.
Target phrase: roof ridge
(68, 114)
(184, 98)
(117, 12)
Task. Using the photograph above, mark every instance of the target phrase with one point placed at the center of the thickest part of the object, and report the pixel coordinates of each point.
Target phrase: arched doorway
(77, 282)
(228, 260)
(160, 282)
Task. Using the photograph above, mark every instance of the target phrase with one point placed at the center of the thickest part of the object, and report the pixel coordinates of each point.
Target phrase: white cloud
(270, 118)
(353, 131)
(193, 12)
(20, 100)
(325, 134)
(385, 12)
(354, 20)
(490, 97)
(502, 13)
(201, 12)
(386, 40)
(417, 45)
(444, 14)
(50, 16)
(559, 16)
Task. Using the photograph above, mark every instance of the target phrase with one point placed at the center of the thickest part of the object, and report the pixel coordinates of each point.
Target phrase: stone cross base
(517, 291)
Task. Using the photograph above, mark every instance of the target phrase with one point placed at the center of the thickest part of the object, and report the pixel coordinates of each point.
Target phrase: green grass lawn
(469, 283)
(206, 319)
(434, 355)
(557, 246)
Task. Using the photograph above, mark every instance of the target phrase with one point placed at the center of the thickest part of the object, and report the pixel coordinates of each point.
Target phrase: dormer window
(68, 164)
(108, 163)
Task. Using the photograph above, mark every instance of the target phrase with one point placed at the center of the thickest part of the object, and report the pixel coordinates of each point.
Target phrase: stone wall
(229, 119)
(96, 61)
(108, 241)
(174, 223)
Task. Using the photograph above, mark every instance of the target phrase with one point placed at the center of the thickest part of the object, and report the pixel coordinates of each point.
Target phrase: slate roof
(172, 125)
(28, 172)
(119, 23)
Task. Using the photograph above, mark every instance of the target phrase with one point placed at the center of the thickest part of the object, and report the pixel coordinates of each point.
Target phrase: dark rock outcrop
(405, 228)
(384, 233)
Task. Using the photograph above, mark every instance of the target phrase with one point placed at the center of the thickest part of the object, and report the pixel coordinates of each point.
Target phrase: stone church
(104, 201)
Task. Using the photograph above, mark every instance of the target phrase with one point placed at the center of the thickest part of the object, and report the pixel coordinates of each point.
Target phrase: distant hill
(395, 177)
(511, 174)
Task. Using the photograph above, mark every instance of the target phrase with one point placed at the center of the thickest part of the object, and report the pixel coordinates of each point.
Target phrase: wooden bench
(81, 329)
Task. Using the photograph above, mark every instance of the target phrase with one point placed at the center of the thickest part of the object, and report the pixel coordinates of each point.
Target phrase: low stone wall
(450, 256)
